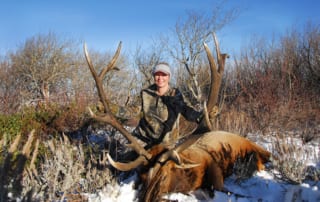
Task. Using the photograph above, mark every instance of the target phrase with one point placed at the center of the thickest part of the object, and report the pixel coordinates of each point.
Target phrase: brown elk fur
(215, 154)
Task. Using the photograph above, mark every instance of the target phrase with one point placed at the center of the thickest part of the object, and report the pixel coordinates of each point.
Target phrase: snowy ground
(262, 187)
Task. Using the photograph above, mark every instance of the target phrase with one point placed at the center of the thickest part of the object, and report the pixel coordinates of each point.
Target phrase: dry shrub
(67, 172)
(47, 121)
(61, 171)
(277, 85)
(259, 114)
(291, 157)
(70, 118)
(301, 113)
(235, 120)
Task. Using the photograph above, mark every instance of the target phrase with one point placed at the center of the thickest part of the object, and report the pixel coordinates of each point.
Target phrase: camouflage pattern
(159, 114)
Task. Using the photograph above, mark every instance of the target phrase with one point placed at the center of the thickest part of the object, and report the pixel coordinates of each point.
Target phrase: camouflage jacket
(159, 113)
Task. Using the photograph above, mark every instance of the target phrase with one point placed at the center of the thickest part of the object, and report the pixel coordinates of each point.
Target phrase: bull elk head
(198, 161)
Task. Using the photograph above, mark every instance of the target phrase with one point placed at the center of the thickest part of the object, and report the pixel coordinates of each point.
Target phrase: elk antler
(108, 117)
(173, 154)
(216, 76)
(127, 166)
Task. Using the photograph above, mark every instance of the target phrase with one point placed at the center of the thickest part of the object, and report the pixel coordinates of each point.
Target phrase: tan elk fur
(214, 153)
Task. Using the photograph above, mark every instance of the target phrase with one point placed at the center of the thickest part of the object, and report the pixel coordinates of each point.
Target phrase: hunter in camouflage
(160, 110)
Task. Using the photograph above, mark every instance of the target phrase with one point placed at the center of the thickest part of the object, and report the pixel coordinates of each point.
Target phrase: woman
(161, 105)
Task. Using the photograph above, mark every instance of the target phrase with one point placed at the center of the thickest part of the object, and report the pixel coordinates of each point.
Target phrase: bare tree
(310, 46)
(185, 45)
(9, 90)
(42, 64)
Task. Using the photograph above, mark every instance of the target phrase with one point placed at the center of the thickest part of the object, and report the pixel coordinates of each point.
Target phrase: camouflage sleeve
(185, 108)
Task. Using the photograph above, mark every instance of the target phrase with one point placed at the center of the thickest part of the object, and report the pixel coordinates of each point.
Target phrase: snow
(121, 192)
(263, 186)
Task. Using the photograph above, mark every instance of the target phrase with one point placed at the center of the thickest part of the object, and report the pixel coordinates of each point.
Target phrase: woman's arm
(185, 108)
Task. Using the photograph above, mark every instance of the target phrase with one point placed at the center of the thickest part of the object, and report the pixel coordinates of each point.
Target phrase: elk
(201, 160)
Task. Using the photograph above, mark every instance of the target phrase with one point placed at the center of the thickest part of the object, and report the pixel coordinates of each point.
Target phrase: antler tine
(213, 94)
(217, 47)
(98, 79)
(108, 117)
(111, 64)
(127, 166)
(221, 57)
(216, 73)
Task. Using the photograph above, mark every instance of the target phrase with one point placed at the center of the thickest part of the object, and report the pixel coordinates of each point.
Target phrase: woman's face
(161, 79)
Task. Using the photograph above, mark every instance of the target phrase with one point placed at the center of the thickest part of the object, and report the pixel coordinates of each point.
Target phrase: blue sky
(102, 24)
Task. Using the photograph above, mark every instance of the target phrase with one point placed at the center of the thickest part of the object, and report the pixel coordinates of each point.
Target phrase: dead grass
(63, 171)
(14, 164)
(291, 158)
